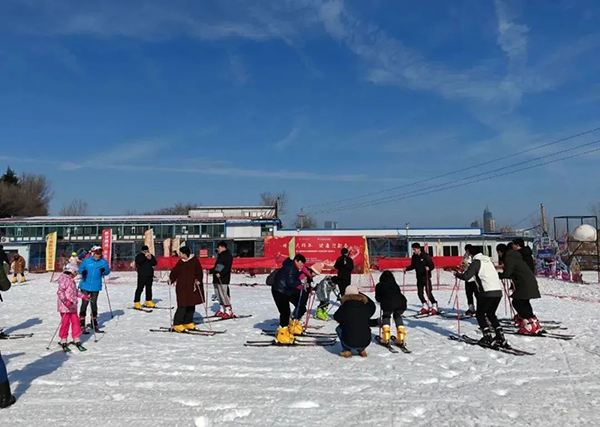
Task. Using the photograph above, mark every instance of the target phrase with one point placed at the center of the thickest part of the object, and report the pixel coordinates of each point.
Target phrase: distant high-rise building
(331, 225)
(475, 224)
(489, 223)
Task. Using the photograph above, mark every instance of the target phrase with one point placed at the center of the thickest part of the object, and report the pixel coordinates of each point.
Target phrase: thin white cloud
(289, 139)
(512, 36)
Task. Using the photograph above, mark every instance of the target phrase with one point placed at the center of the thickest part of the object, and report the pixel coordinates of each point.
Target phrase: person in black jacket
(353, 316)
(526, 253)
(144, 264)
(3, 260)
(389, 296)
(526, 289)
(423, 265)
(287, 280)
(6, 397)
(221, 279)
(344, 265)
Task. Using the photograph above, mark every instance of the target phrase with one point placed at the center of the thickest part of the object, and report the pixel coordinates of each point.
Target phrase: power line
(460, 185)
(459, 180)
(548, 144)
(525, 219)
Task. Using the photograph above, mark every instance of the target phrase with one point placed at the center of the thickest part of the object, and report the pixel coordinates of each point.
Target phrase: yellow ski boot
(23, 279)
(284, 336)
(179, 328)
(14, 279)
(137, 306)
(386, 335)
(149, 304)
(189, 326)
(296, 327)
(401, 336)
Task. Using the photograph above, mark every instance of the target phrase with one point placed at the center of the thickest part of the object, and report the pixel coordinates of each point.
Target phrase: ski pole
(380, 320)
(311, 298)
(170, 304)
(54, 336)
(404, 283)
(454, 289)
(108, 297)
(206, 308)
(297, 313)
(458, 314)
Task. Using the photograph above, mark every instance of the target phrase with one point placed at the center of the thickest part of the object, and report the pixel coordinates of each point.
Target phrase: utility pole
(544, 221)
(301, 216)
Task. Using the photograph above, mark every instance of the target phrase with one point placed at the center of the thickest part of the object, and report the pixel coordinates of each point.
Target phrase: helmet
(96, 249)
(74, 254)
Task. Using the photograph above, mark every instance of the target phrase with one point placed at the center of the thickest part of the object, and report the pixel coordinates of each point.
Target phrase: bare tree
(305, 221)
(595, 209)
(176, 209)
(30, 196)
(78, 207)
(272, 199)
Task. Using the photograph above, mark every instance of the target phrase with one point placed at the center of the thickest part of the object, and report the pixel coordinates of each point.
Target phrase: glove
(84, 274)
(86, 297)
(68, 303)
(103, 270)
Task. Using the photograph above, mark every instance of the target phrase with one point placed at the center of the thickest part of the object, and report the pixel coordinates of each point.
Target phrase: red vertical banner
(107, 245)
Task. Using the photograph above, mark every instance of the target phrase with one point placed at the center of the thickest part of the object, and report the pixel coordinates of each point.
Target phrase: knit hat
(352, 290)
(317, 268)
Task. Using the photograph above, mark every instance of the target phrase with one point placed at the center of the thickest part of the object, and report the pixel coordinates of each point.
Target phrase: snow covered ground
(133, 377)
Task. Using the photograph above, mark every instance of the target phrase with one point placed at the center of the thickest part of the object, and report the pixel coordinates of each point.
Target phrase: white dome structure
(585, 233)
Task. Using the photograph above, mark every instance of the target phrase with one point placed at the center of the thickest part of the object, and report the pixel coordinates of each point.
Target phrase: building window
(19, 232)
(450, 250)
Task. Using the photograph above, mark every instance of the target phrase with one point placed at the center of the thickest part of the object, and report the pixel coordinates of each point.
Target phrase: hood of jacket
(358, 297)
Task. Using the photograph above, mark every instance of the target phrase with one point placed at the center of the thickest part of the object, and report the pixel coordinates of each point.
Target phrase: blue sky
(138, 105)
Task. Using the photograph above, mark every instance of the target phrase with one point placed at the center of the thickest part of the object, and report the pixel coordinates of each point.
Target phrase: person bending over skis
(393, 303)
(284, 293)
(489, 285)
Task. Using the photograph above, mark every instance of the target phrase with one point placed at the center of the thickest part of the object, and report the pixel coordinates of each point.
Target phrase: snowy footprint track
(508, 350)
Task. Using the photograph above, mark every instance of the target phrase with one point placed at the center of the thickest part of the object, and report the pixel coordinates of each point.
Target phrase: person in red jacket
(187, 278)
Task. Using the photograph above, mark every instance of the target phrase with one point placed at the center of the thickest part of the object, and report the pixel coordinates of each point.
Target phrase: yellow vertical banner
(367, 266)
(51, 251)
(292, 248)
(149, 240)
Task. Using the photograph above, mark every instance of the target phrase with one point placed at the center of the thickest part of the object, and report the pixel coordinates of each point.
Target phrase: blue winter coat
(287, 278)
(93, 280)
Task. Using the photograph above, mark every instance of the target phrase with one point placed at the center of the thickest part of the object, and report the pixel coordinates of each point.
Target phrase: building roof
(383, 232)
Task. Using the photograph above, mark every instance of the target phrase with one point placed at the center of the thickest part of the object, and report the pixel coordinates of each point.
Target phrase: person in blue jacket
(92, 270)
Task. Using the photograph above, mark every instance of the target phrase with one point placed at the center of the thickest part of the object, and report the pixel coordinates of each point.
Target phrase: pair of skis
(542, 334)
(392, 345)
(4, 336)
(198, 332)
(508, 349)
(215, 319)
(79, 347)
(150, 310)
(307, 338)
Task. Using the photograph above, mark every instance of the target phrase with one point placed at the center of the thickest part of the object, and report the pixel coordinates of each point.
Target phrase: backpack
(271, 277)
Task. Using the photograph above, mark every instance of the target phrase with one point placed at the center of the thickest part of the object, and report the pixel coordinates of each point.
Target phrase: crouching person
(353, 316)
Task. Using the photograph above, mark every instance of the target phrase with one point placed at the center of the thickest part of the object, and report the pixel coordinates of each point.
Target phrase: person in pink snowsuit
(67, 306)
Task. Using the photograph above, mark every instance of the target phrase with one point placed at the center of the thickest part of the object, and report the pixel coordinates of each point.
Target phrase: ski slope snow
(133, 377)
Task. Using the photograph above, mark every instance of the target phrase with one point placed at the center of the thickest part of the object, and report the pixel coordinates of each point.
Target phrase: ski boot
(322, 314)
(219, 313)
(228, 313)
(95, 326)
(386, 334)
(434, 309)
(363, 353)
(149, 304)
(471, 311)
(488, 339)
(346, 354)
(401, 335)
(284, 336)
(23, 279)
(137, 306)
(6, 397)
(296, 327)
(518, 321)
(189, 326)
(179, 328)
(530, 327)
(14, 280)
(424, 309)
(499, 339)
(82, 324)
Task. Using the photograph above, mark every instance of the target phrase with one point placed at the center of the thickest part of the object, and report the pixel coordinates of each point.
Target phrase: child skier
(483, 271)
(67, 307)
(393, 303)
(470, 286)
(323, 292)
(92, 270)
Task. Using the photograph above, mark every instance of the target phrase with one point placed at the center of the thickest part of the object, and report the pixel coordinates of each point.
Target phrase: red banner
(167, 263)
(325, 249)
(398, 263)
(107, 245)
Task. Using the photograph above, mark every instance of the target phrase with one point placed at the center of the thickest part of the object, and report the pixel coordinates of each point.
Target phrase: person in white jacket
(489, 285)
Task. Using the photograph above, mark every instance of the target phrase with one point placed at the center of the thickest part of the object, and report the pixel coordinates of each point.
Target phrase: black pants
(471, 290)
(386, 317)
(424, 283)
(343, 284)
(486, 310)
(143, 282)
(93, 301)
(184, 315)
(523, 308)
(283, 302)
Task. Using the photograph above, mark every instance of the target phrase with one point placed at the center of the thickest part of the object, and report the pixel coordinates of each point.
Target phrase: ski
(548, 326)
(220, 319)
(274, 343)
(453, 316)
(424, 315)
(305, 334)
(508, 350)
(145, 310)
(159, 308)
(401, 346)
(78, 346)
(302, 338)
(388, 345)
(198, 333)
(214, 332)
(544, 322)
(542, 334)
(65, 348)
(4, 336)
